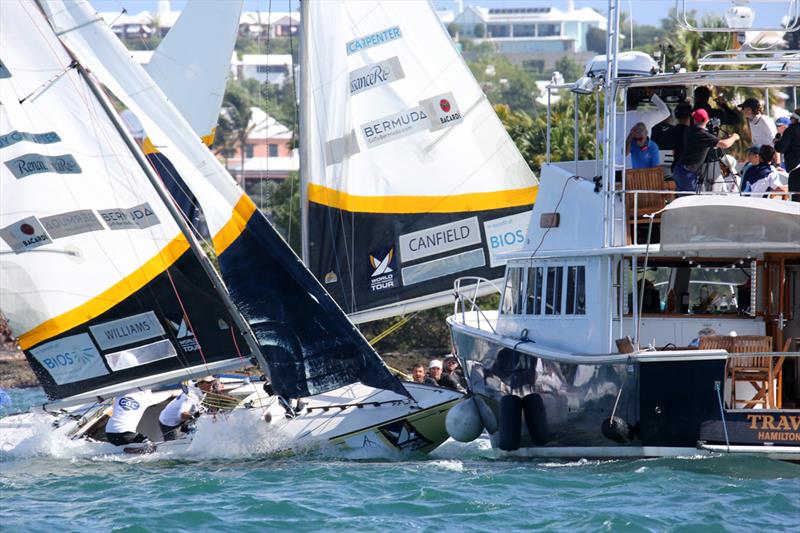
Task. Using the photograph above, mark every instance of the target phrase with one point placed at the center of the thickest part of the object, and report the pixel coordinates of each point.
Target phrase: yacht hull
(665, 405)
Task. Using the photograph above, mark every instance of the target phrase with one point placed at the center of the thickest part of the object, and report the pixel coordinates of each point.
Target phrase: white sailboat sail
(309, 343)
(97, 281)
(410, 179)
(187, 64)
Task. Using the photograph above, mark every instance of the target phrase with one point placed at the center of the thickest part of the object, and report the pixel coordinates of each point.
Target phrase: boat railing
(642, 205)
(467, 290)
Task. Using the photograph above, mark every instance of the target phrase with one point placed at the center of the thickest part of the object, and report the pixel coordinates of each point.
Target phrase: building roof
(266, 59)
(266, 127)
(266, 164)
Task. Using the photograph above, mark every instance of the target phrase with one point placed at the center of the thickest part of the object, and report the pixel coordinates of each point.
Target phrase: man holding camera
(696, 143)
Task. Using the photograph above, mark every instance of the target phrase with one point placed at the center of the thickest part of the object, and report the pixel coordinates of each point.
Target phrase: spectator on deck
(762, 127)
(763, 177)
(683, 115)
(122, 427)
(643, 151)
(434, 372)
(634, 116)
(751, 155)
(787, 142)
(726, 115)
(728, 178)
(418, 373)
(697, 142)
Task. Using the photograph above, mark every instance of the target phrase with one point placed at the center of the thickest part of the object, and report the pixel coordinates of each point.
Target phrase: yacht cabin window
(545, 290)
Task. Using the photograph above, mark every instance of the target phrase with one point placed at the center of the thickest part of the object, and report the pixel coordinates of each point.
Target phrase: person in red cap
(697, 141)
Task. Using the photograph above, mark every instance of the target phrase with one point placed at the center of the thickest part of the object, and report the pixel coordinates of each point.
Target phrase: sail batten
(410, 180)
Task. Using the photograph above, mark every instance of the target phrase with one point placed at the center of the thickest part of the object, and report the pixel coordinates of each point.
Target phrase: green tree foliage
(452, 29)
(596, 40)
(480, 31)
(569, 69)
(505, 83)
(280, 201)
(234, 125)
(530, 133)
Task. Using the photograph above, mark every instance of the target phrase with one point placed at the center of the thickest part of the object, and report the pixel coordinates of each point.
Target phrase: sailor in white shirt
(183, 408)
(121, 428)
(762, 127)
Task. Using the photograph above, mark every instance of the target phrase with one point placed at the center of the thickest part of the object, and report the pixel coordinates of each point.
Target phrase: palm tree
(234, 125)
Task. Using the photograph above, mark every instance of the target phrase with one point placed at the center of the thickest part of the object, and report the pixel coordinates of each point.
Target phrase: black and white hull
(661, 403)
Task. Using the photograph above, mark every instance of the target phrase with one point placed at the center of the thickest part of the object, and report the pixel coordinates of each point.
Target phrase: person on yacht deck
(683, 115)
(728, 178)
(643, 151)
(762, 127)
(764, 178)
(788, 143)
(697, 142)
(726, 115)
(634, 116)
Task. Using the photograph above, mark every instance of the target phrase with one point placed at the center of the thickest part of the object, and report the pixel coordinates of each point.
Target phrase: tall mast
(304, 99)
(155, 181)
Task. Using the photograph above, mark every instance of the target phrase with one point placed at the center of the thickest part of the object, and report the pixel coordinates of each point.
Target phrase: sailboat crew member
(121, 428)
(183, 408)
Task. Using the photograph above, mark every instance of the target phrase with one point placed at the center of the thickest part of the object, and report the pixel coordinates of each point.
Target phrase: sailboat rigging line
(235, 343)
(212, 274)
(391, 329)
(652, 218)
(294, 126)
(186, 315)
(555, 210)
(79, 26)
(41, 88)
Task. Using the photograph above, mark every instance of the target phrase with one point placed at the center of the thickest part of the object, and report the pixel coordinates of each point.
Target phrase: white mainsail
(93, 267)
(403, 159)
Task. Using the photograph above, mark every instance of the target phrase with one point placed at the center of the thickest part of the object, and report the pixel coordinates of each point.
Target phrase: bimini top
(629, 64)
(724, 223)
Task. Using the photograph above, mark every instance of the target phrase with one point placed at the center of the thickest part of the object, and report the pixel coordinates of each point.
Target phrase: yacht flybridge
(638, 320)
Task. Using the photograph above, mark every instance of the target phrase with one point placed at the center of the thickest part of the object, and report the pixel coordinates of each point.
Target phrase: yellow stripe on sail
(108, 298)
(480, 201)
(242, 212)
(149, 148)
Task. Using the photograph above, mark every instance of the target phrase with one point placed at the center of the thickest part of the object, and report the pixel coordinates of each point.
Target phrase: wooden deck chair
(759, 371)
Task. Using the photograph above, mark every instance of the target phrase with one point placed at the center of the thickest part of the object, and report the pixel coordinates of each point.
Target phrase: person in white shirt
(626, 121)
(121, 428)
(183, 408)
(728, 178)
(762, 127)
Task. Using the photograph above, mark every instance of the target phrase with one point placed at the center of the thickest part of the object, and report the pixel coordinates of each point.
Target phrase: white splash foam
(453, 465)
(33, 434)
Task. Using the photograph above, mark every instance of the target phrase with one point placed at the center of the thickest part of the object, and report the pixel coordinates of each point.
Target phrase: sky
(644, 11)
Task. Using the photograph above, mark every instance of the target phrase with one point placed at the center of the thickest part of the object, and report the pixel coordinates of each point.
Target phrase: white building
(273, 68)
(256, 24)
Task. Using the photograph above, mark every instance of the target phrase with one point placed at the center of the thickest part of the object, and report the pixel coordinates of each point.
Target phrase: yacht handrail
(719, 78)
(749, 57)
(460, 295)
(683, 21)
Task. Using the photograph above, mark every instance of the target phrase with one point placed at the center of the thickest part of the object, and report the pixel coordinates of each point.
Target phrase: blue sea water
(45, 487)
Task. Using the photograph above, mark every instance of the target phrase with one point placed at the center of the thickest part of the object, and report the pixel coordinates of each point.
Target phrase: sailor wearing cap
(434, 372)
(183, 408)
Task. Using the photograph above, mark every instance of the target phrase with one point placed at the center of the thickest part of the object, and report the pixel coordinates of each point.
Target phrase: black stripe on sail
(150, 323)
(310, 344)
(180, 192)
(347, 250)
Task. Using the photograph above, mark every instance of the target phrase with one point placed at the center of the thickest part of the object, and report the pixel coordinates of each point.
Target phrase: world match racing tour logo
(383, 265)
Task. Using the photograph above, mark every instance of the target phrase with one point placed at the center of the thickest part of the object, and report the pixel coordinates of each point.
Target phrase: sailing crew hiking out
(184, 409)
(122, 427)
